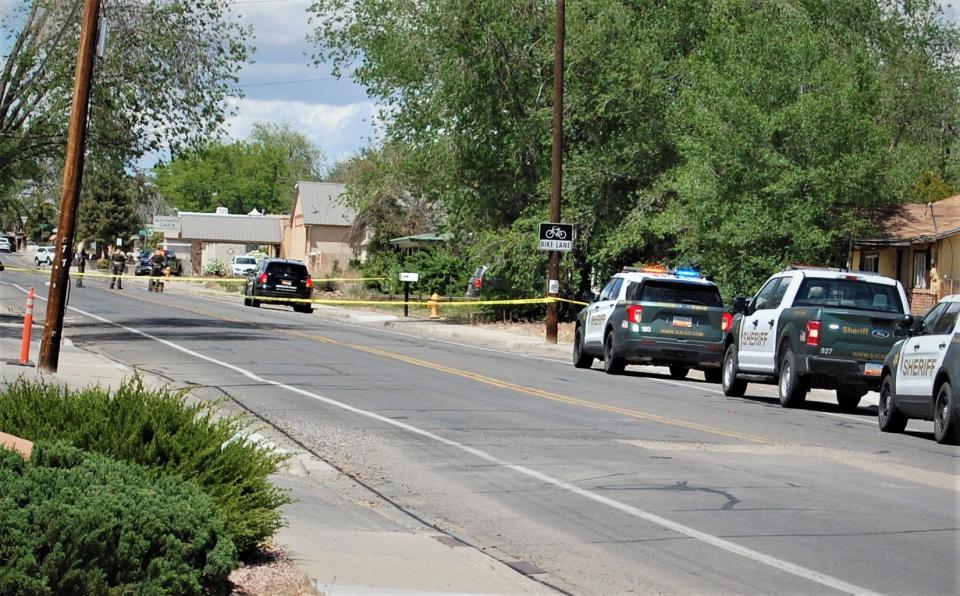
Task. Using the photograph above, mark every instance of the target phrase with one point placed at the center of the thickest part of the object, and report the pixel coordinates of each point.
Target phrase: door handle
(754, 323)
(770, 322)
(942, 346)
(916, 346)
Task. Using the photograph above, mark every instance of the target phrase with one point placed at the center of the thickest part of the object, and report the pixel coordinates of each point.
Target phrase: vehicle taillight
(726, 322)
(813, 333)
(634, 313)
(309, 282)
(262, 279)
(478, 282)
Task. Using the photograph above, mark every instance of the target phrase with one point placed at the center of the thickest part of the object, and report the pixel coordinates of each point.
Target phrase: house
(204, 237)
(920, 246)
(318, 229)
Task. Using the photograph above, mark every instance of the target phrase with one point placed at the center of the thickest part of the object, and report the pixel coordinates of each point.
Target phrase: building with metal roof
(205, 237)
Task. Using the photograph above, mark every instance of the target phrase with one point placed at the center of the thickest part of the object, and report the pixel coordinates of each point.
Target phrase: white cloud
(338, 130)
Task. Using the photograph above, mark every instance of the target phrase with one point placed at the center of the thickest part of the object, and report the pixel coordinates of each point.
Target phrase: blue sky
(282, 85)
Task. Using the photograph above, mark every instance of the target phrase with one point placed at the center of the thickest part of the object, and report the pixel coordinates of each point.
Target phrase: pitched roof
(321, 206)
(919, 222)
(265, 229)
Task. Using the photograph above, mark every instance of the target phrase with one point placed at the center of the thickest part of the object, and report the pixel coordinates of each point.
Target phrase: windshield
(246, 261)
(849, 293)
(676, 292)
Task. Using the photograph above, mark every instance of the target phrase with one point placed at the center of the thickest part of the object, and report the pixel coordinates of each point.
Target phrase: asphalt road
(606, 484)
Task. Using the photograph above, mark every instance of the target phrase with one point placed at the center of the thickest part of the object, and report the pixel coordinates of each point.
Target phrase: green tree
(733, 134)
(259, 173)
(167, 72)
(108, 207)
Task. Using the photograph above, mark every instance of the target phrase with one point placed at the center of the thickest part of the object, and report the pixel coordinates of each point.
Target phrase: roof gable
(321, 206)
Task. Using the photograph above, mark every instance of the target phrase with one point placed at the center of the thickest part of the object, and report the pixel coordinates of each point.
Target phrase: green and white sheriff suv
(654, 316)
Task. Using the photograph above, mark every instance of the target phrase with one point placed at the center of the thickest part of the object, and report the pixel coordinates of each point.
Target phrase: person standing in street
(81, 266)
(119, 265)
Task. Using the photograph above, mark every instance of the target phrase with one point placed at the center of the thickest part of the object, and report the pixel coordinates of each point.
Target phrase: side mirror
(589, 297)
(740, 305)
(905, 326)
(916, 327)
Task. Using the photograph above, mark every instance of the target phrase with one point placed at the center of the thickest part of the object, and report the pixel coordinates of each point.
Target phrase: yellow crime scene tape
(185, 279)
(330, 301)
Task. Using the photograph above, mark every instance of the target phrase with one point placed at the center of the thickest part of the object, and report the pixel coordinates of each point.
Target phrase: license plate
(286, 282)
(873, 369)
(682, 322)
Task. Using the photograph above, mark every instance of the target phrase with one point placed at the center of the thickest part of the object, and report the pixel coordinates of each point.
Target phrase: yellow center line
(487, 380)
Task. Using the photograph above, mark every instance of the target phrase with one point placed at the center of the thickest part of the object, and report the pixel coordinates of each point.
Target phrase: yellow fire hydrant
(433, 305)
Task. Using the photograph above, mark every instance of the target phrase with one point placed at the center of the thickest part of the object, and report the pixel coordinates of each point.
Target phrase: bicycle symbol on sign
(556, 232)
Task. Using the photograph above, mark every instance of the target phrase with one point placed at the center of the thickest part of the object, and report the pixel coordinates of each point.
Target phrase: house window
(920, 270)
(871, 263)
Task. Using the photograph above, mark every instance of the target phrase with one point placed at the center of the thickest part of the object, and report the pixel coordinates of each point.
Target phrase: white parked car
(242, 265)
(44, 255)
(5, 245)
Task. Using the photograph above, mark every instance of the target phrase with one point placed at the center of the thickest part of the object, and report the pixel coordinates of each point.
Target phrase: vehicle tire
(946, 427)
(580, 357)
(790, 386)
(849, 398)
(36, 262)
(612, 365)
(304, 308)
(679, 372)
(732, 386)
(890, 418)
(713, 375)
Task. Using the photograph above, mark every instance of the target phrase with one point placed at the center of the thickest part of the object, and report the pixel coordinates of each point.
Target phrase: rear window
(245, 261)
(849, 293)
(675, 292)
(287, 269)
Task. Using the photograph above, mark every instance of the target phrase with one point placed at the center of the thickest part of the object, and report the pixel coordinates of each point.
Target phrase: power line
(293, 82)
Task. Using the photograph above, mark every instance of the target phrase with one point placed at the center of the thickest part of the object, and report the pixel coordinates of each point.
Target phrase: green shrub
(103, 264)
(79, 523)
(215, 267)
(160, 430)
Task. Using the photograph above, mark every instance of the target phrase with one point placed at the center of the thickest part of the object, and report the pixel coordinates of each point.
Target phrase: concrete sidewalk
(340, 534)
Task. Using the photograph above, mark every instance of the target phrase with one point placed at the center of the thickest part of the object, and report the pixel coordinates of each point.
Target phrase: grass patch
(160, 430)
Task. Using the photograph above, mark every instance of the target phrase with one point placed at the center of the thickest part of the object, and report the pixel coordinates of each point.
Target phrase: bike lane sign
(556, 236)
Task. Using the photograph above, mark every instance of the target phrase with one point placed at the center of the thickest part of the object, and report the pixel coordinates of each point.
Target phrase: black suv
(279, 278)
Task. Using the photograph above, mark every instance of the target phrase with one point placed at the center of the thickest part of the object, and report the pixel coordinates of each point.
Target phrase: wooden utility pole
(556, 182)
(72, 177)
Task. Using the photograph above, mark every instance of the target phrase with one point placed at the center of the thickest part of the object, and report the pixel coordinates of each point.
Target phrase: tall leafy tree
(167, 71)
(734, 134)
(259, 173)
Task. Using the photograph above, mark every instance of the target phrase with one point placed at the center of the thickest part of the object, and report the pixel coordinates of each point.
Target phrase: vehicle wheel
(732, 386)
(713, 375)
(679, 372)
(304, 308)
(946, 427)
(891, 419)
(612, 365)
(580, 357)
(792, 392)
(849, 399)
(36, 262)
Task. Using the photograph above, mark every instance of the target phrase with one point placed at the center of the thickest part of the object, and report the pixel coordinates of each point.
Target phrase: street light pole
(72, 177)
(556, 182)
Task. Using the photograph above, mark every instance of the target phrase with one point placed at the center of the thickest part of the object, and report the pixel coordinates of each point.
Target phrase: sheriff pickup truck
(815, 328)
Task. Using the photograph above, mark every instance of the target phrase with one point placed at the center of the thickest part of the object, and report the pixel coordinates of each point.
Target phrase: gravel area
(271, 574)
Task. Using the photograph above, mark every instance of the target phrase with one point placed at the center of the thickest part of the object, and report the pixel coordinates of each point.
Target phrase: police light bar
(687, 273)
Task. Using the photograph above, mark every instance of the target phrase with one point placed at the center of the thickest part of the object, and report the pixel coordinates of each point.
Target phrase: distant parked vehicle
(475, 285)
(5, 245)
(44, 255)
(12, 240)
(242, 265)
(279, 278)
